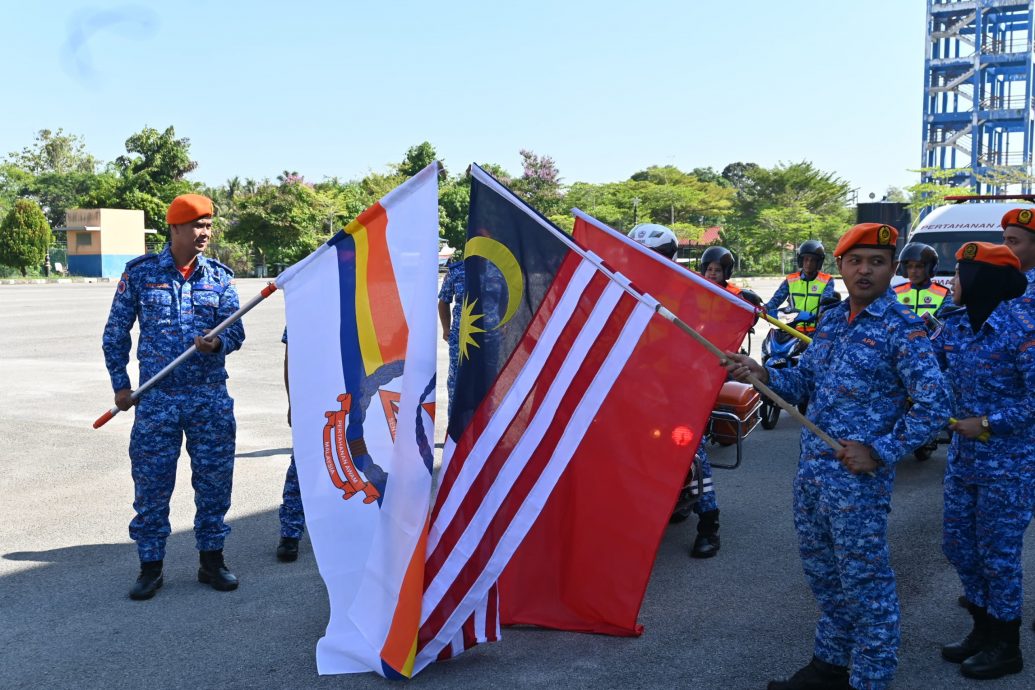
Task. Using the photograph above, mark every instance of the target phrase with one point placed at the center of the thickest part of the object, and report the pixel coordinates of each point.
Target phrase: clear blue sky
(605, 88)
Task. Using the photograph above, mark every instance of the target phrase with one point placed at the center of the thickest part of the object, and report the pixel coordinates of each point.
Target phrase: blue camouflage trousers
(205, 415)
(292, 517)
(982, 536)
(842, 536)
(707, 502)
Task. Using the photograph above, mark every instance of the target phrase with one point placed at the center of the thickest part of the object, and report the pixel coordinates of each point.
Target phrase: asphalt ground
(66, 561)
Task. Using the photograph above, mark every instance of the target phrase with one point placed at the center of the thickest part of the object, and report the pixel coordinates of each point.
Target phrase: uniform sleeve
(445, 294)
(229, 302)
(828, 291)
(1020, 415)
(778, 297)
(116, 341)
(917, 367)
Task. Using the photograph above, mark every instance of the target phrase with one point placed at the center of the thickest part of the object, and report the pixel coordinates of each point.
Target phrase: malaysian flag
(544, 335)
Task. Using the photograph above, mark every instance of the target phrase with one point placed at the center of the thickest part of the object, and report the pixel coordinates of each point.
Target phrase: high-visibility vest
(805, 294)
(924, 300)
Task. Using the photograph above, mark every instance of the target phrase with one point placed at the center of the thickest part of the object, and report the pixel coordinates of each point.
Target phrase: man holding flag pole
(873, 381)
(180, 298)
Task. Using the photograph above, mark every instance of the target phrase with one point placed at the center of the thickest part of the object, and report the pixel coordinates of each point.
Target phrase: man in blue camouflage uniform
(988, 350)
(869, 358)
(452, 292)
(1019, 235)
(292, 516)
(178, 296)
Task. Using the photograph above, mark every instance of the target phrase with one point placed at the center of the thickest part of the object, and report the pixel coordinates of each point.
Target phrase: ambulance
(967, 219)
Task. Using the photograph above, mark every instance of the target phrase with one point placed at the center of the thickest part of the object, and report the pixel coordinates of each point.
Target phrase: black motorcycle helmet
(722, 255)
(814, 247)
(918, 251)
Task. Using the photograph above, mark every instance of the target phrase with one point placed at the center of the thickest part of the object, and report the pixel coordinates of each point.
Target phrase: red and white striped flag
(505, 465)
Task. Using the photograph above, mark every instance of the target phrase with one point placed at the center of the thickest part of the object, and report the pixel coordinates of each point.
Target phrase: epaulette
(1024, 312)
(219, 264)
(139, 260)
(907, 313)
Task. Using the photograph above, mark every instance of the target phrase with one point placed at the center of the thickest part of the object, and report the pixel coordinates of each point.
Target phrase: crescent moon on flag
(502, 258)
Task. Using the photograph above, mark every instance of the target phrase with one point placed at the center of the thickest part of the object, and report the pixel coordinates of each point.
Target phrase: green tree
(540, 183)
(659, 194)
(281, 223)
(454, 201)
(417, 158)
(151, 174)
(24, 236)
(54, 152)
(779, 207)
(56, 192)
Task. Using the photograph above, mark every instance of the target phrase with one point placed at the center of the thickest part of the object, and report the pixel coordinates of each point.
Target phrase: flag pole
(784, 327)
(626, 284)
(226, 323)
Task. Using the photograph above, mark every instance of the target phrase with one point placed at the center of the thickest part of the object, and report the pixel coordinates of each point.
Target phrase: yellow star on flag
(468, 328)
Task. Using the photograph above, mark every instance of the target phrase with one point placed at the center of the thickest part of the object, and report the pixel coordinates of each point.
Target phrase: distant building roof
(710, 237)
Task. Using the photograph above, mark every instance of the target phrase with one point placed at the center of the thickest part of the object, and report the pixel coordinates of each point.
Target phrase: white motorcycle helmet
(656, 237)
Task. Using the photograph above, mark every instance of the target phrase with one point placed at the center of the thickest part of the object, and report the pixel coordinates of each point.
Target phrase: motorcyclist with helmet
(917, 262)
(807, 287)
(716, 265)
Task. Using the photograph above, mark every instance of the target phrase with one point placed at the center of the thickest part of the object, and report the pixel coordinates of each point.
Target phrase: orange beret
(988, 253)
(867, 236)
(1021, 217)
(187, 208)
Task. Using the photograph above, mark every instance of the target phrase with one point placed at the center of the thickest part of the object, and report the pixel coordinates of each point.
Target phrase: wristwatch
(984, 423)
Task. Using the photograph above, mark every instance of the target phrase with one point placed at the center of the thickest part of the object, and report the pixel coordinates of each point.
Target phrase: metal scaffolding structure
(978, 100)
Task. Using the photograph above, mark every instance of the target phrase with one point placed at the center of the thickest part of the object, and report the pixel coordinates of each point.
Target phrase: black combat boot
(970, 645)
(1001, 654)
(706, 544)
(148, 582)
(818, 675)
(287, 549)
(213, 571)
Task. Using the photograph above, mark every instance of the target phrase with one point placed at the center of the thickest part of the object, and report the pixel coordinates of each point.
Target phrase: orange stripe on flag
(382, 289)
(400, 648)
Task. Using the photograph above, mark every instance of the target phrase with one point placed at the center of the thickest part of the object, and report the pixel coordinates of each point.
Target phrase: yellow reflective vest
(922, 300)
(805, 294)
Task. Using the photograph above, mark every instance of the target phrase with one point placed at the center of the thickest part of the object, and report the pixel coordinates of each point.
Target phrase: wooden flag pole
(226, 323)
(784, 327)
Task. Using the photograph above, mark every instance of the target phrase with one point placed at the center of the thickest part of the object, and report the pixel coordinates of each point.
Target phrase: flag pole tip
(103, 419)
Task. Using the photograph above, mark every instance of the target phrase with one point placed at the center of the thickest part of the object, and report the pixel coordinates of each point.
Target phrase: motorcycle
(780, 350)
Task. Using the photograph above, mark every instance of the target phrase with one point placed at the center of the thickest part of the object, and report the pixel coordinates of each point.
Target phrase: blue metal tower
(978, 100)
